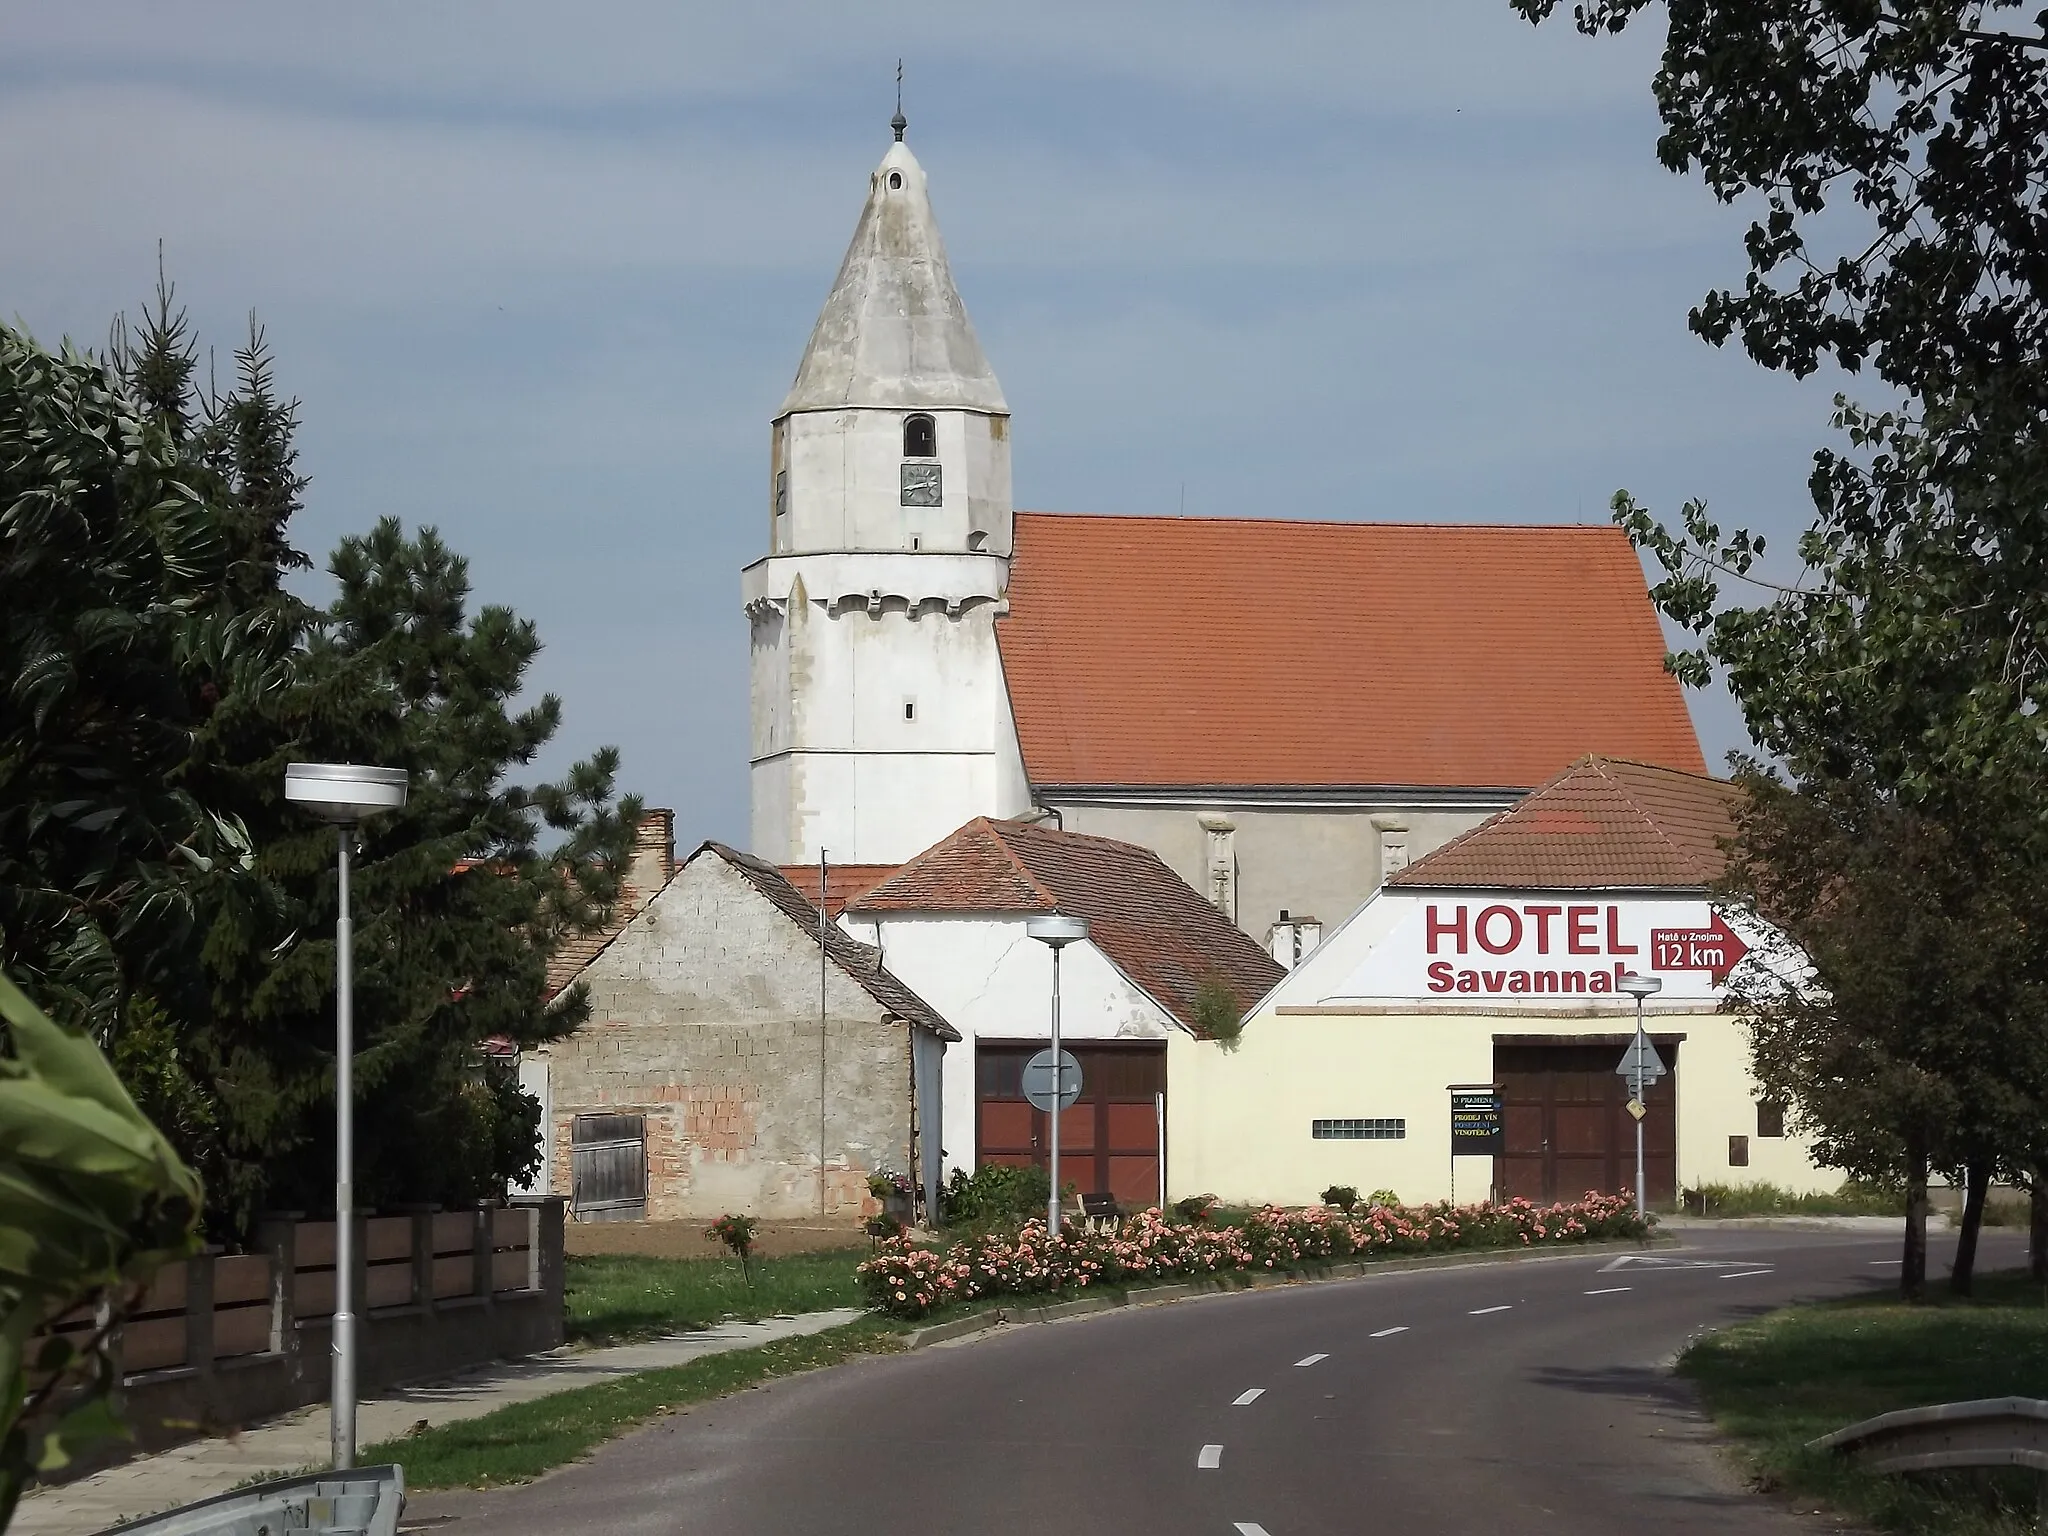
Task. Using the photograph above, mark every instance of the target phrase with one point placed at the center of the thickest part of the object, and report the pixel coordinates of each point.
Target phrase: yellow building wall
(1238, 1122)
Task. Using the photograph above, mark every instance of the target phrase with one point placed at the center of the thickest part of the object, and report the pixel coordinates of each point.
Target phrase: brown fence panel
(387, 1238)
(388, 1285)
(239, 1278)
(153, 1343)
(241, 1330)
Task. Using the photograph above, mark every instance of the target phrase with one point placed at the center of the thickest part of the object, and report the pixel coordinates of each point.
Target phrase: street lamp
(1640, 987)
(344, 793)
(1056, 932)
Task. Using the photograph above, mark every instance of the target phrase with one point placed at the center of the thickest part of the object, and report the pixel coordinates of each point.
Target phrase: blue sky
(539, 275)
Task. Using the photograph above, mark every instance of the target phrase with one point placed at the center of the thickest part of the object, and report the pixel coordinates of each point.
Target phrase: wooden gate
(608, 1167)
(1109, 1140)
(1565, 1126)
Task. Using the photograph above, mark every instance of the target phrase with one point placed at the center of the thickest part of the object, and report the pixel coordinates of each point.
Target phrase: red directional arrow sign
(1715, 948)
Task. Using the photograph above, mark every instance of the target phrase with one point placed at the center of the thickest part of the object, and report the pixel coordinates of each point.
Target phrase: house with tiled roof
(743, 1053)
(1285, 711)
(1159, 962)
(1492, 969)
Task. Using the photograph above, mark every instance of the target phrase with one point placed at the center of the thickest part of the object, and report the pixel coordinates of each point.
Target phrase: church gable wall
(1312, 863)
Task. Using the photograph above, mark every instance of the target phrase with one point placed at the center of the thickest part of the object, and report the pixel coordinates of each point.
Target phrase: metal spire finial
(899, 122)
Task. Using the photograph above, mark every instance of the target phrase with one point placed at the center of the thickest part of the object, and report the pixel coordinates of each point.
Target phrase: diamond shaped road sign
(1651, 1064)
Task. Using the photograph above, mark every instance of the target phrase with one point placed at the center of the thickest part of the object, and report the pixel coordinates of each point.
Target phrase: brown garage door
(1566, 1129)
(1109, 1140)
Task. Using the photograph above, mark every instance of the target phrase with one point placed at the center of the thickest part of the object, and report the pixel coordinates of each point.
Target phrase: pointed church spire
(893, 333)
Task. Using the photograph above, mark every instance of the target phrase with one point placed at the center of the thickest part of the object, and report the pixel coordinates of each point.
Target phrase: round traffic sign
(1038, 1080)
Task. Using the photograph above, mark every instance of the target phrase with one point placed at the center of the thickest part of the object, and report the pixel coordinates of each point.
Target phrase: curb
(1188, 1290)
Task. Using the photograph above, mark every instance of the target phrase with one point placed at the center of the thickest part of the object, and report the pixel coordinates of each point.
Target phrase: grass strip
(615, 1298)
(1778, 1382)
(521, 1441)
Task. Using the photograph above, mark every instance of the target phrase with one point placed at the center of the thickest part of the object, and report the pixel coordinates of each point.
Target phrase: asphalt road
(1505, 1399)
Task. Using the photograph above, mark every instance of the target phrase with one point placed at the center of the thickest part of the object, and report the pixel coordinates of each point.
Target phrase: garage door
(1109, 1140)
(1565, 1126)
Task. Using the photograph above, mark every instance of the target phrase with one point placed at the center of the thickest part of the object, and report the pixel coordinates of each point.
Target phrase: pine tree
(154, 884)
(456, 906)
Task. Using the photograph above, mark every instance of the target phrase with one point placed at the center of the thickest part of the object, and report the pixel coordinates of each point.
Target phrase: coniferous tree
(155, 886)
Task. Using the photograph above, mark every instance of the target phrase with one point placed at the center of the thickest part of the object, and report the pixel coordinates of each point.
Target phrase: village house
(1159, 963)
(1492, 967)
(740, 1055)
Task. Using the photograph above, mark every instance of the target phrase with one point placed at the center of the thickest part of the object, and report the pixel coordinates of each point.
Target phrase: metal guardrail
(1989, 1432)
(365, 1501)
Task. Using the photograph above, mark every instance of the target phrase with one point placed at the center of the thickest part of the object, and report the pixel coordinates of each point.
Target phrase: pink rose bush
(905, 1280)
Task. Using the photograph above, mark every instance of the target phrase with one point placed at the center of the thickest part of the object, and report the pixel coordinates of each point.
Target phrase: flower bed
(905, 1280)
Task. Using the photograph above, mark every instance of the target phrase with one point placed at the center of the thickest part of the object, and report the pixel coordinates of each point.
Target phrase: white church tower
(880, 719)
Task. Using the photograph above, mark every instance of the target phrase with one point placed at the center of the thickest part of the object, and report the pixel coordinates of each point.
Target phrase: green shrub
(996, 1192)
(1343, 1196)
(1385, 1198)
(1854, 1198)
(1217, 1016)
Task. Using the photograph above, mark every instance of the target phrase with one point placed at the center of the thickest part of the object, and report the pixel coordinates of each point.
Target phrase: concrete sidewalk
(202, 1468)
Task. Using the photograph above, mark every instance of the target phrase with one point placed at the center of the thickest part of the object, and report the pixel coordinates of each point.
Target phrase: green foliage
(1195, 1208)
(616, 1298)
(1785, 1379)
(1902, 682)
(515, 1443)
(1854, 1198)
(1217, 1015)
(1383, 1199)
(154, 885)
(123, 638)
(1343, 1196)
(996, 1193)
(736, 1232)
(456, 906)
(93, 1202)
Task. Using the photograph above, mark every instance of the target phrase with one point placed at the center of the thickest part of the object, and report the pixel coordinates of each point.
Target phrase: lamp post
(345, 794)
(1056, 932)
(1640, 987)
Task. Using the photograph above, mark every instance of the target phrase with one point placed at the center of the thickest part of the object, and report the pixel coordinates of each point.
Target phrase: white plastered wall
(991, 981)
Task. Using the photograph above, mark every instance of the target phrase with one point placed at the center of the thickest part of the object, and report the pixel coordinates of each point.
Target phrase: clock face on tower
(921, 485)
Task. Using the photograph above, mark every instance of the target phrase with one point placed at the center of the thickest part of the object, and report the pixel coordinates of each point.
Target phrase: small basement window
(1358, 1130)
(920, 437)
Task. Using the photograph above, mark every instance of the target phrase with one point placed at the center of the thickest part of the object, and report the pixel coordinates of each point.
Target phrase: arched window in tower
(920, 437)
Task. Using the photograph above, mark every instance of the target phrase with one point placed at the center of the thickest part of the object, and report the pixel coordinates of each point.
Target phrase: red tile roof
(1602, 824)
(1143, 916)
(1240, 651)
(842, 881)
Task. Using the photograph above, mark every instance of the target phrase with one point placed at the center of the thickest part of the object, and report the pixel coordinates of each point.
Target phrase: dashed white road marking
(1212, 1456)
(1312, 1359)
(1482, 1311)
(1609, 1290)
(1887, 1261)
(1744, 1274)
(1246, 1528)
(1388, 1333)
(1248, 1398)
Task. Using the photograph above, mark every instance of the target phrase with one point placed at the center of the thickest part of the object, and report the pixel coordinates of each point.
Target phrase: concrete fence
(223, 1340)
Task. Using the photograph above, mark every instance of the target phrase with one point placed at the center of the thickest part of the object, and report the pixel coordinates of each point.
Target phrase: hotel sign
(1492, 948)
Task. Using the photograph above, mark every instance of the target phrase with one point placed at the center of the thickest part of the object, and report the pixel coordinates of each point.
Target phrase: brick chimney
(653, 861)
